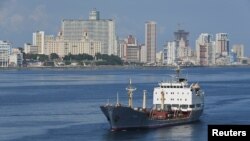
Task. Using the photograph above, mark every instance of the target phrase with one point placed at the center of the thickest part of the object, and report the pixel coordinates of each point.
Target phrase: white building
(170, 53)
(102, 30)
(183, 51)
(205, 50)
(39, 40)
(122, 49)
(16, 58)
(222, 44)
(30, 49)
(64, 47)
(5, 50)
(51, 45)
(150, 41)
(143, 53)
(159, 57)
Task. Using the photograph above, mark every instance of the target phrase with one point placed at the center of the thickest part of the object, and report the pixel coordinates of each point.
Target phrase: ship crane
(130, 90)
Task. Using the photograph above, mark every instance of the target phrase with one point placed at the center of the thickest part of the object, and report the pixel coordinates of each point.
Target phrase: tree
(42, 57)
(54, 56)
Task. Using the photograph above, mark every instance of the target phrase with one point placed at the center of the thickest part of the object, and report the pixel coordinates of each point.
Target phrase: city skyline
(19, 19)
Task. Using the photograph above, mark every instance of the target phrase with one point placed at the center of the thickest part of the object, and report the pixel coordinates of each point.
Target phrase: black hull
(121, 118)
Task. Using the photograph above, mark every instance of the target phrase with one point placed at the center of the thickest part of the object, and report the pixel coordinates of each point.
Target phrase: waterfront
(58, 104)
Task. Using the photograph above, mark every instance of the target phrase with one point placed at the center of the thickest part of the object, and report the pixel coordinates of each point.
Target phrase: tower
(150, 41)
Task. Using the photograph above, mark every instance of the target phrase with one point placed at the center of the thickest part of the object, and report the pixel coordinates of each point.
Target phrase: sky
(20, 18)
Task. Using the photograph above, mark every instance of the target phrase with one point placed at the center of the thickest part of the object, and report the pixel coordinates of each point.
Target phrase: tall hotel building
(205, 50)
(150, 41)
(5, 48)
(170, 53)
(38, 40)
(102, 30)
(222, 44)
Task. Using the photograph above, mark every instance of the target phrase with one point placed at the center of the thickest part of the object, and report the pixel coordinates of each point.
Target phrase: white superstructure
(178, 95)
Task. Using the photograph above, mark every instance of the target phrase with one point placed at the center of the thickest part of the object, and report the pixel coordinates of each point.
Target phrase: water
(63, 105)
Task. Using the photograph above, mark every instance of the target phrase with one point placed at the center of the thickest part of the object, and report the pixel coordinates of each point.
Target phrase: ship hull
(121, 118)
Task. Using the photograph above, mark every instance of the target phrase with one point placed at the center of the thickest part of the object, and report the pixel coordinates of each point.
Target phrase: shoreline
(110, 67)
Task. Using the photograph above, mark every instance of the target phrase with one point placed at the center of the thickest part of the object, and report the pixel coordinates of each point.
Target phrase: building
(238, 49)
(150, 41)
(38, 40)
(129, 50)
(16, 58)
(222, 44)
(205, 50)
(30, 49)
(122, 49)
(133, 53)
(5, 50)
(102, 30)
(181, 35)
(64, 47)
(159, 57)
(183, 51)
(170, 53)
(50, 45)
(143, 53)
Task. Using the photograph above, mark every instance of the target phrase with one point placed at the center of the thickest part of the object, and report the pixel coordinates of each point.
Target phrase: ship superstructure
(174, 102)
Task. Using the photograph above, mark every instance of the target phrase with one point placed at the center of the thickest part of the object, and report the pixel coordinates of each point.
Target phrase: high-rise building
(183, 51)
(169, 53)
(129, 50)
(102, 30)
(150, 41)
(222, 44)
(181, 35)
(38, 40)
(143, 53)
(238, 49)
(122, 49)
(5, 50)
(205, 50)
(182, 45)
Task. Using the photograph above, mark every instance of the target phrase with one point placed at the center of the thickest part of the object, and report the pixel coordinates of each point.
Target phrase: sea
(61, 104)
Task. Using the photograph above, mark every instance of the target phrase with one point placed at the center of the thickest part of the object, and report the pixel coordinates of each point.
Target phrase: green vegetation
(54, 56)
(80, 59)
(38, 57)
(108, 59)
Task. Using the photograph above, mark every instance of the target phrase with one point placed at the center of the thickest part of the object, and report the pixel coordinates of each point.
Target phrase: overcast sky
(20, 18)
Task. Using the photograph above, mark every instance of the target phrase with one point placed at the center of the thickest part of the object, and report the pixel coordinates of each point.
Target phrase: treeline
(98, 59)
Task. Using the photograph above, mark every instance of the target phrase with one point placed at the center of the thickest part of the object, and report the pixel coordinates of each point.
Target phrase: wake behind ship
(174, 102)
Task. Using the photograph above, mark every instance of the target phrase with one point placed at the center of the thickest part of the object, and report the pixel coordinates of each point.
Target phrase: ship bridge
(179, 83)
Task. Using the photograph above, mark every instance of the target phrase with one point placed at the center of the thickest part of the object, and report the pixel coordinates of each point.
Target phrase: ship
(175, 102)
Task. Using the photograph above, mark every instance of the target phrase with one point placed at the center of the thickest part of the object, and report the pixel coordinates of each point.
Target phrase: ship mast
(178, 69)
(130, 90)
(144, 100)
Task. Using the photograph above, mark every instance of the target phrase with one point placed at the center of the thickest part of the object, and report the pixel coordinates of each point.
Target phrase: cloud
(16, 21)
(39, 14)
(14, 15)
(9, 19)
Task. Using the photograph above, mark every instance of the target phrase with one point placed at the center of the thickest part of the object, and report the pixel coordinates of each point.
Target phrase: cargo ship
(174, 102)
